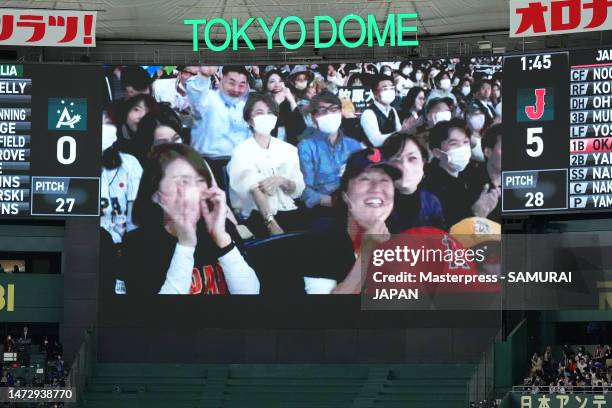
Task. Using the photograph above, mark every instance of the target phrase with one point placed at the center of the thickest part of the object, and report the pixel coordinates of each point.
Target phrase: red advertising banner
(47, 28)
(530, 18)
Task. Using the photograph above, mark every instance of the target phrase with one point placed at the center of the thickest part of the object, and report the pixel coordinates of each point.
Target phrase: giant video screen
(270, 179)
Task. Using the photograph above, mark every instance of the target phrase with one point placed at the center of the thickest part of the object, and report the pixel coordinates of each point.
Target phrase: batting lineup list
(591, 136)
(559, 112)
(15, 140)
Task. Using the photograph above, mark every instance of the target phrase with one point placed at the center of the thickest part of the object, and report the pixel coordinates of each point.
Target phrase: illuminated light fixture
(485, 45)
(499, 50)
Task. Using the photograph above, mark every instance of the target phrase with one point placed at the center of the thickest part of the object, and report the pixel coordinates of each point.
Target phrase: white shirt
(239, 276)
(164, 90)
(250, 164)
(118, 190)
(370, 124)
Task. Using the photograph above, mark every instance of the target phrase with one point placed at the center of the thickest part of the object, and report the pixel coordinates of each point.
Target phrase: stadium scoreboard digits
(557, 112)
(50, 121)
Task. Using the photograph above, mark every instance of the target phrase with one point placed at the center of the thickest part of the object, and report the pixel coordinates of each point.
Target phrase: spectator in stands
(571, 365)
(335, 76)
(412, 111)
(599, 354)
(496, 94)
(482, 98)
(173, 91)
(57, 347)
(290, 122)
(380, 119)
(437, 110)
(536, 364)
(9, 344)
(2, 269)
(162, 126)
(324, 155)
(127, 116)
(300, 79)
(463, 93)
(264, 174)
(420, 79)
(59, 364)
(486, 180)
(413, 205)
(475, 120)
(218, 115)
(366, 200)
(25, 336)
(443, 88)
(15, 268)
(135, 81)
(120, 179)
(45, 347)
(403, 83)
(186, 218)
(448, 175)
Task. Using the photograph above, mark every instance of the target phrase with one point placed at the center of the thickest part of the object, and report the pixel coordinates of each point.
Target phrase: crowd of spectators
(215, 155)
(574, 370)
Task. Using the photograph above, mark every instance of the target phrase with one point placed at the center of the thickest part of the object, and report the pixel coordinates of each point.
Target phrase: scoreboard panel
(50, 121)
(558, 119)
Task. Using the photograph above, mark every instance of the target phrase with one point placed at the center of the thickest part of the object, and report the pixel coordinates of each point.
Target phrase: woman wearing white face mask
(443, 89)
(323, 156)
(463, 91)
(264, 173)
(403, 83)
(448, 175)
(475, 119)
(419, 78)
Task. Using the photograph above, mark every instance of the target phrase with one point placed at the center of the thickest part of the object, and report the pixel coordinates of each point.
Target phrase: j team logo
(67, 114)
(535, 104)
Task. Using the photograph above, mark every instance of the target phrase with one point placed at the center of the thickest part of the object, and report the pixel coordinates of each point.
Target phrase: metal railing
(586, 389)
(83, 365)
(482, 382)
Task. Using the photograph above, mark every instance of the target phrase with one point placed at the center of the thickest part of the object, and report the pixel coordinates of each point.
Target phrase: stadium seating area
(272, 386)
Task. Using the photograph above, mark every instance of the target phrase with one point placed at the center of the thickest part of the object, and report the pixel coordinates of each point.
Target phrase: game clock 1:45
(536, 62)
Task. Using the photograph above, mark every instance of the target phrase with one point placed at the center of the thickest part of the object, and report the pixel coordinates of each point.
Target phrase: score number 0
(533, 138)
(62, 142)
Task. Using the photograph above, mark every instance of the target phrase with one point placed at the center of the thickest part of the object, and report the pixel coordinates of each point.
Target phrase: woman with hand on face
(184, 243)
(290, 123)
(264, 174)
(413, 206)
(412, 110)
(365, 202)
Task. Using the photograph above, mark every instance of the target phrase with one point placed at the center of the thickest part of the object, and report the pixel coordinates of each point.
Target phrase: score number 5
(534, 139)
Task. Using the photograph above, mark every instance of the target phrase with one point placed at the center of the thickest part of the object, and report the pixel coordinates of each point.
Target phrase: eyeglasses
(187, 180)
(321, 110)
(189, 72)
